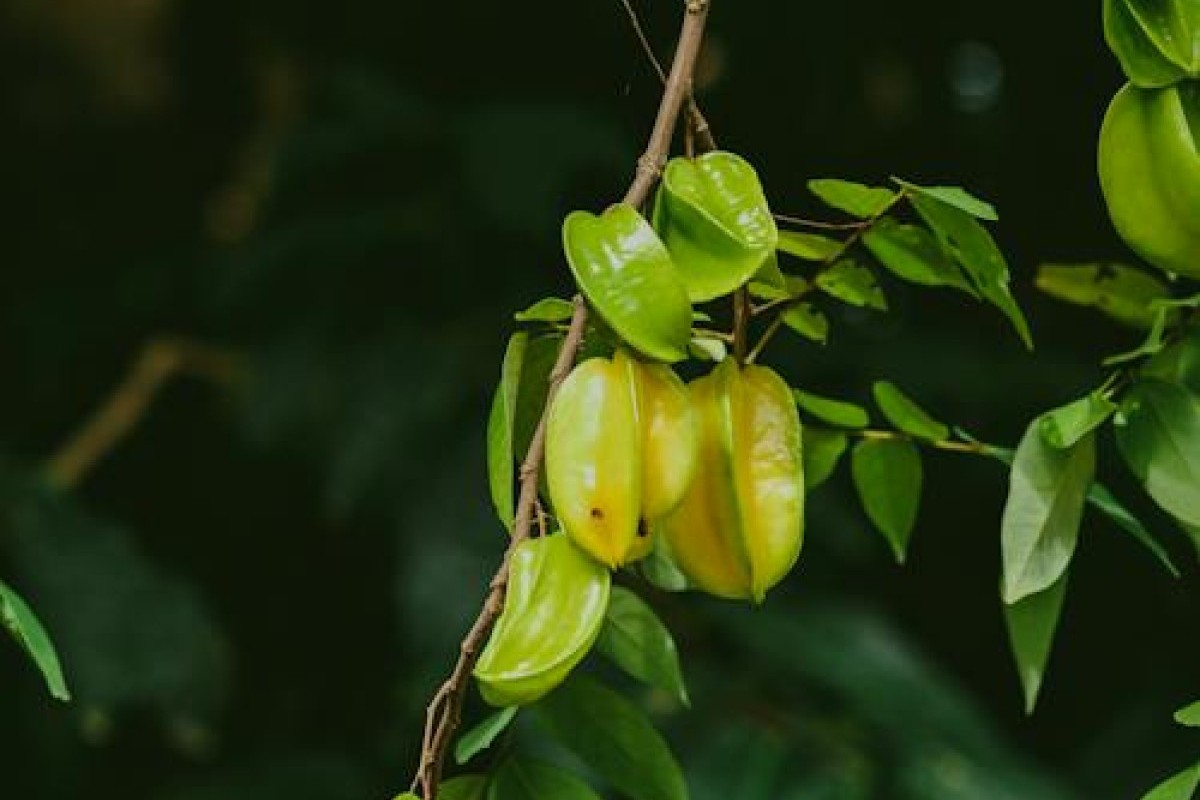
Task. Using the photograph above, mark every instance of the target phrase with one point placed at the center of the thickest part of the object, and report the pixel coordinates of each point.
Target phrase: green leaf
(1124, 293)
(466, 787)
(1031, 624)
(1066, 425)
(823, 448)
(637, 641)
(855, 199)
(955, 196)
(500, 455)
(613, 737)
(974, 248)
(1040, 526)
(888, 476)
(808, 321)
(1104, 501)
(548, 309)
(808, 246)
(852, 283)
(1158, 433)
(1189, 715)
(1153, 344)
(835, 412)
(913, 254)
(660, 569)
(707, 348)
(1178, 363)
(407, 796)
(1181, 787)
(481, 737)
(526, 779)
(906, 415)
(20, 621)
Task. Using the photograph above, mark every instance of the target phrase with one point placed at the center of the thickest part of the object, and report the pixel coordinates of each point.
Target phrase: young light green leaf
(852, 283)
(808, 246)
(481, 737)
(913, 254)
(808, 321)
(500, 453)
(548, 309)
(707, 348)
(823, 448)
(1153, 344)
(769, 274)
(955, 196)
(1158, 433)
(855, 199)
(1124, 293)
(906, 415)
(660, 569)
(1031, 624)
(1066, 425)
(835, 412)
(613, 737)
(637, 641)
(1189, 715)
(527, 779)
(888, 476)
(21, 623)
(1178, 363)
(1040, 526)
(406, 796)
(465, 787)
(1103, 500)
(1180, 787)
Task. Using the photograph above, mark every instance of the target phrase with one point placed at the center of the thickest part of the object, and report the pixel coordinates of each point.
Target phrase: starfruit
(553, 612)
(740, 526)
(625, 271)
(1156, 41)
(621, 444)
(1149, 163)
(714, 219)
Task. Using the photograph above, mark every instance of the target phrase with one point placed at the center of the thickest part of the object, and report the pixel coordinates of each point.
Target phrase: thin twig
(949, 445)
(160, 360)
(812, 223)
(444, 712)
(741, 319)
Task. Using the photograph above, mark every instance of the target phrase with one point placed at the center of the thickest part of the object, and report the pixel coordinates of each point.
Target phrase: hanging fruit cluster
(1149, 155)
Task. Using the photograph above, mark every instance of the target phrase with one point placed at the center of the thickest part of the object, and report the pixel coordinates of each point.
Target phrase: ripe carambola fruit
(740, 526)
(1149, 162)
(553, 612)
(621, 445)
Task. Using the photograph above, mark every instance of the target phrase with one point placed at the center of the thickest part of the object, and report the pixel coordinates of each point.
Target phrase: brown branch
(160, 360)
(444, 712)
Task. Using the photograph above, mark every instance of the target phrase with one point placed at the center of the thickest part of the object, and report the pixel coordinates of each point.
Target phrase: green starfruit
(1149, 162)
(621, 444)
(1156, 41)
(626, 273)
(552, 615)
(714, 219)
(740, 526)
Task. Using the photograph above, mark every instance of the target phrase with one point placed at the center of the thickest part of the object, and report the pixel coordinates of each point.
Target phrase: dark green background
(256, 592)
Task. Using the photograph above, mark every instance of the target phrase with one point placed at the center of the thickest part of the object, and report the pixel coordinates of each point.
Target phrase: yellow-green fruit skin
(1149, 164)
(555, 605)
(740, 526)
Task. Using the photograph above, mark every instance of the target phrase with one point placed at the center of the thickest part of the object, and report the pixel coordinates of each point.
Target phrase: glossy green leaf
(465, 787)
(903, 412)
(637, 641)
(714, 219)
(823, 448)
(770, 274)
(1153, 344)
(855, 199)
(888, 476)
(1158, 433)
(955, 196)
(615, 739)
(1156, 41)
(660, 569)
(533, 385)
(913, 254)
(1189, 715)
(1124, 293)
(707, 348)
(407, 796)
(852, 283)
(548, 309)
(809, 246)
(526, 779)
(1066, 425)
(1180, 787)
(1031, 624)
(1103, 500)
(1178, 363)
(973, 247)
(23, 625)
(835, 412)
(627, 275)
(500, 454)
(481, 737)
(808, 321)
(1040, 526)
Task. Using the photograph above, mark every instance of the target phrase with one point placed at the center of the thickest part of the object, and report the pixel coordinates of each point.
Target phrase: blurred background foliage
(256, 592)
